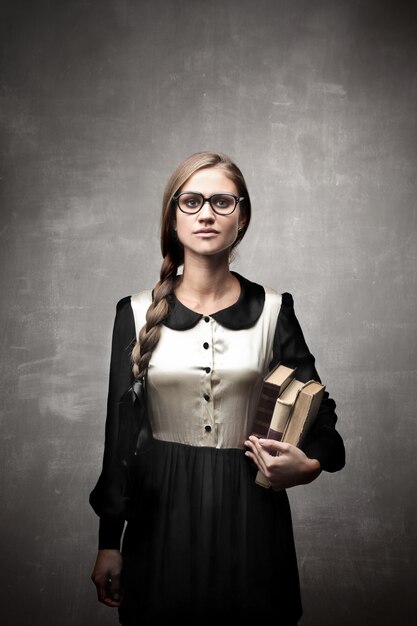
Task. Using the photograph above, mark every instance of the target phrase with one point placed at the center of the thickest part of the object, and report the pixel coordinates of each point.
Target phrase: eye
(223, 202)
(190, 202)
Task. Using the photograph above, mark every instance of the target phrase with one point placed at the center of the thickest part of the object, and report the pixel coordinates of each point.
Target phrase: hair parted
(172, 250)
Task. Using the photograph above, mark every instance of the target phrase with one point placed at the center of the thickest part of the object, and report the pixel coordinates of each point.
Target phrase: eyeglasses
(192, 202)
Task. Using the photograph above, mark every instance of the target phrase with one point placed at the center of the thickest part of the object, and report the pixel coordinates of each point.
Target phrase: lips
(206, 231)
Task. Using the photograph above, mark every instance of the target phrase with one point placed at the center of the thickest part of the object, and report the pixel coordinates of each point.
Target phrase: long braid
(151, 331)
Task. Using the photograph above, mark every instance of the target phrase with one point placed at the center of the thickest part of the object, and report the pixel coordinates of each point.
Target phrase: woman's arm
(323, 447)
(109, 497)
(322, 442)
(106, 576)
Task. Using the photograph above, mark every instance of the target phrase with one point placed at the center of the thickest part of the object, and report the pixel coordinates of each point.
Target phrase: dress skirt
(203, 541)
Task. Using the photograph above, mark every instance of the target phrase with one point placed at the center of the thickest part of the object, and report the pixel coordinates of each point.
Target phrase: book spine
(294, 428)
(262, 480)
(305, 412)
(276, 429)
(279, 420)
(265, 409)
(312, 414)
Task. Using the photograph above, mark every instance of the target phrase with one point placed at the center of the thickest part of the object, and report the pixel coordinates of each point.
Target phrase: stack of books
(286, 409)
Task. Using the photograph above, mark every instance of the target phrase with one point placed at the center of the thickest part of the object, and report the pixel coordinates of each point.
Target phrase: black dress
(202, 540)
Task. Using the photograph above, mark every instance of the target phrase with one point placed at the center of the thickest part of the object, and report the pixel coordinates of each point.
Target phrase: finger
(115, 588)
(249, 442)
(253, 444)
(261, 452)
(254, 448)
(106, 597)
(273, 446)
(111, 602)
(250, 452)
(256, 459)
(257, 455)
(265, 451)
(101, 587)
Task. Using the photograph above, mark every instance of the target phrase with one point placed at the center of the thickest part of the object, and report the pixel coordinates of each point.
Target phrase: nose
(206, 212)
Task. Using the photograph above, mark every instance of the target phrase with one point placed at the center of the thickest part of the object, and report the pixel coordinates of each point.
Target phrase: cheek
(234, 226)
(182, 227)
(178, 220)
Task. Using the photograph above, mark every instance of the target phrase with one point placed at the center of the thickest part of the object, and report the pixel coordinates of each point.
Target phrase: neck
(207, 284)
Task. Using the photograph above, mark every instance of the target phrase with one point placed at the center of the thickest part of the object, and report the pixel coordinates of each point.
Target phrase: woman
(203, 540)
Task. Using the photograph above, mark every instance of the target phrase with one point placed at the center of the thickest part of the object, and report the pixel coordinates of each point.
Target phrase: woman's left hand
(283, 464)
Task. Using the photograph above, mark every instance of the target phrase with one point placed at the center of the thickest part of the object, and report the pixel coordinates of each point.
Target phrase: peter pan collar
(242, 314)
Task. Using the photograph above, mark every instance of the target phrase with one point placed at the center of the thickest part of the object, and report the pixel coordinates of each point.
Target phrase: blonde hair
(172, 250)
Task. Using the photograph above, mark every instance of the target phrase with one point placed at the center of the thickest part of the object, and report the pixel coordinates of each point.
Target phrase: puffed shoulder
(124, 325)
(123, 303)
(287, 300)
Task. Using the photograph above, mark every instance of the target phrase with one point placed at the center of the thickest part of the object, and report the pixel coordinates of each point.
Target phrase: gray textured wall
(316, 101)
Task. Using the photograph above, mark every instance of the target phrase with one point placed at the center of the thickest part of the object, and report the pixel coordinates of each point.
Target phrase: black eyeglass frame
(208, 199)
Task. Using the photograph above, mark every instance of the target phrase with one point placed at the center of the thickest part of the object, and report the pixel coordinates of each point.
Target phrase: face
(206, 232)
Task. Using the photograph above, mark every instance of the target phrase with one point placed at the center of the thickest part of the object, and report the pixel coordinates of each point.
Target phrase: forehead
(208, 181)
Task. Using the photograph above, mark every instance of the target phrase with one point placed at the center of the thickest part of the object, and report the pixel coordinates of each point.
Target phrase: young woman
(202, 540)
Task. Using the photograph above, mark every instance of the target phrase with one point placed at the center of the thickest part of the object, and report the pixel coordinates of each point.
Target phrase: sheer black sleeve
(323, 442)
(109, 497)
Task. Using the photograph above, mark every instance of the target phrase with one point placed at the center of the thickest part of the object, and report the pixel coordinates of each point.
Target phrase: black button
(208, 370)
(206, 319)
(207, 428)
(205, 345)
(206, 397)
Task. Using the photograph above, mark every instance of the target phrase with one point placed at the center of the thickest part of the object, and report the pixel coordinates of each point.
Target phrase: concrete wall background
(316, 101)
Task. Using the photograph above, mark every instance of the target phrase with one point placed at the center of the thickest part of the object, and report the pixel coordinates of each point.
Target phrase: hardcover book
(273, 385)
(304, 413)
(298, 415)
(282, 411)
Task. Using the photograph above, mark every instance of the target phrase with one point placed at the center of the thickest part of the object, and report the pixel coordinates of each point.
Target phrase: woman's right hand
(106, 576)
